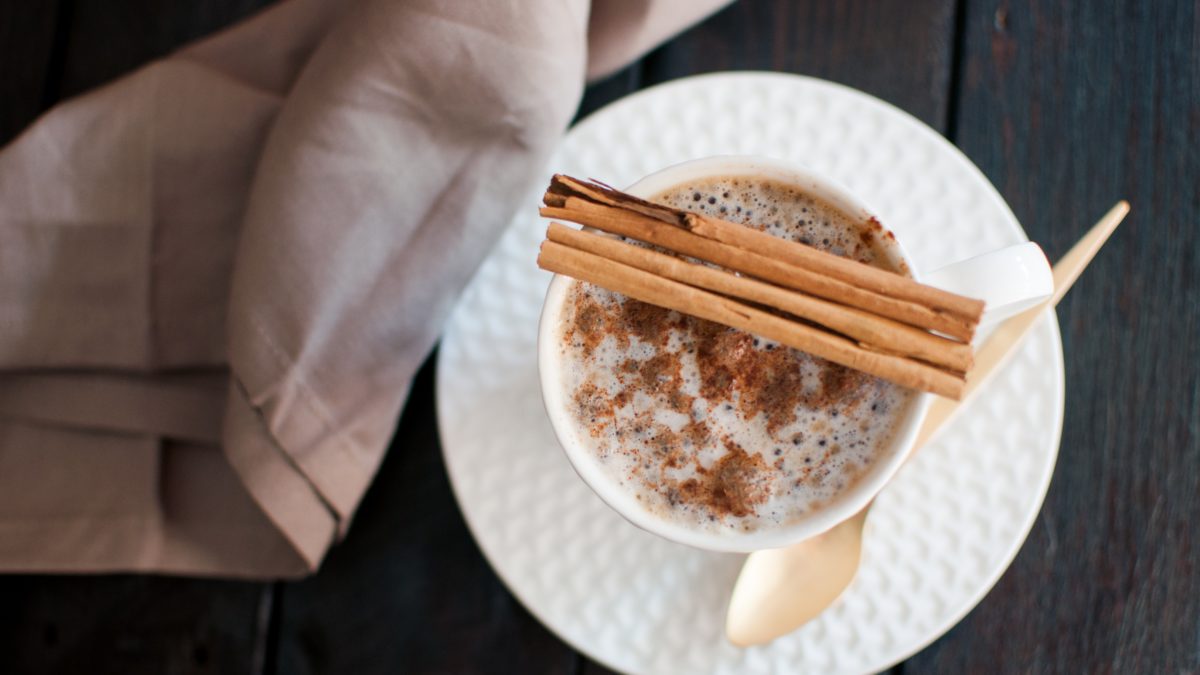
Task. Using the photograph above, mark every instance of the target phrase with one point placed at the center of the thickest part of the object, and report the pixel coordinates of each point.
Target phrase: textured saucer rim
(1058, 380)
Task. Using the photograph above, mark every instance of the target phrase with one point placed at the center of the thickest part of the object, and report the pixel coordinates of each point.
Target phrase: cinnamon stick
(862, 275)
(663, 231)
(871, 331)
(647, 287)
(797, 254)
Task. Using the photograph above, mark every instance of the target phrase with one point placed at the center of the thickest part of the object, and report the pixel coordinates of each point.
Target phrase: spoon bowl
(779, 590)
(775, 591)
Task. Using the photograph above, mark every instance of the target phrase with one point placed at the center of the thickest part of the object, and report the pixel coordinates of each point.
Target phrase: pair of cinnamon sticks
(838, 309)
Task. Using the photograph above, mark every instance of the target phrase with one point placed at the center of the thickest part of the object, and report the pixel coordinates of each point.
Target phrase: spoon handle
(1009, 335)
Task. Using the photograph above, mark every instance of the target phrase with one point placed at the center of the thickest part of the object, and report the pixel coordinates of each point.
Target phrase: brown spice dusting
(776, 389)
(648, 323)
(866, 238)
(590, 402)
(723, 356)
(679, 401)
(733, 486)
(660, 372)
(743, 375)
(715, 383)
(668, 446)
(622, 398)
(842, 386)
(697, 433)
(664, 440)
(767, 381)
(589, 325)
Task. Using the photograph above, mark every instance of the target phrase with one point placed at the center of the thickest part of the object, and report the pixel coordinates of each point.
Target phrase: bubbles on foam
(671, 419)
(813, 458)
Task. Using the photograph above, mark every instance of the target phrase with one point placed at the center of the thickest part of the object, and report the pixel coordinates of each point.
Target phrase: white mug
(1008, 280)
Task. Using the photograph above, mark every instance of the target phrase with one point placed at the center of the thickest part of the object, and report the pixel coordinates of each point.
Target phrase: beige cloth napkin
(219, 274)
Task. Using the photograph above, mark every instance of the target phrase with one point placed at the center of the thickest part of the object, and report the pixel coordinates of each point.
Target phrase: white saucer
(939, 536)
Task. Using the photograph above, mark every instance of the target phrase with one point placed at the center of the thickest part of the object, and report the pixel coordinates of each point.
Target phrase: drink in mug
(711, 436)
(709, 426)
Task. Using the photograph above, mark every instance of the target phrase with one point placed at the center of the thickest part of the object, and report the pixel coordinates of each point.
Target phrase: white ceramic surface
(1000, 278)
(938, 537)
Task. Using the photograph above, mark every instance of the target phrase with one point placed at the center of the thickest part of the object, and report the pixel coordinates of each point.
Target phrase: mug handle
(1010, 280)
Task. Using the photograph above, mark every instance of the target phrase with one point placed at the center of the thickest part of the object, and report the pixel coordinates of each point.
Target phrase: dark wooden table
(1066, 107)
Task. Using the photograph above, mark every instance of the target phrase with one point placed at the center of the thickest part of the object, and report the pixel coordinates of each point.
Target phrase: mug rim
(621, 499)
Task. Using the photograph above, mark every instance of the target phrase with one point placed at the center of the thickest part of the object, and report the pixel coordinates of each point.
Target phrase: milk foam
(654, 430)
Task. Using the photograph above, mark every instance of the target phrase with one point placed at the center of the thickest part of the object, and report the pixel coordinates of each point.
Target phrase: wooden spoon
(779, 590)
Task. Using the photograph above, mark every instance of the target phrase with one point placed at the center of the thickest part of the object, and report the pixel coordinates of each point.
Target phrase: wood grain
(601, 93)
(408, 590)
(107, 39)
(898, 50)
(130, 624)
(1066, 107)
(115, 624)
(27, 32)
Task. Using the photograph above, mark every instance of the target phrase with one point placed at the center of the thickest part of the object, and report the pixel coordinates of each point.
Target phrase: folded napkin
(219, 274)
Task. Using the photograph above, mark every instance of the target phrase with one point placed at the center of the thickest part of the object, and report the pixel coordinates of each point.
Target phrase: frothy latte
(710, 426)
